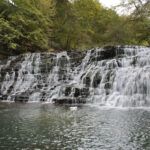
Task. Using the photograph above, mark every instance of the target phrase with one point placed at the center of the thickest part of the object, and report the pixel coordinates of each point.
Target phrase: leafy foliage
(40, 25)
(24, 26)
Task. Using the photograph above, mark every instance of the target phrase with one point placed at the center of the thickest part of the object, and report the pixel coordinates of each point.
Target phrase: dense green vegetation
(41, 25)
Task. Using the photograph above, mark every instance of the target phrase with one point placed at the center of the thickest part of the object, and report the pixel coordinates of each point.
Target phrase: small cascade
(110, 76)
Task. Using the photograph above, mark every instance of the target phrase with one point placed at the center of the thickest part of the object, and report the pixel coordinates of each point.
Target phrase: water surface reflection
(45, 126)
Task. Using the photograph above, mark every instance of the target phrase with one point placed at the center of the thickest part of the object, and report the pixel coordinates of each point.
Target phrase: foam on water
(118, 81)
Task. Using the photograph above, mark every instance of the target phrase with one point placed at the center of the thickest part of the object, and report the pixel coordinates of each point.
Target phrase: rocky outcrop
(69, 100)
(113, 75)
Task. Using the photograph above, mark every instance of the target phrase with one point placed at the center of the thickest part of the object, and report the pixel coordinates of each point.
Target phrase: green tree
(29, 20)
(39, 25)
(65, 25)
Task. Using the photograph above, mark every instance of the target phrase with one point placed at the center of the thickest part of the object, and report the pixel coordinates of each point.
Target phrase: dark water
(45, 126)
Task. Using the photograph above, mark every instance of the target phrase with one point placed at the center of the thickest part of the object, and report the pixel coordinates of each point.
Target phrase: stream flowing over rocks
(110, 76)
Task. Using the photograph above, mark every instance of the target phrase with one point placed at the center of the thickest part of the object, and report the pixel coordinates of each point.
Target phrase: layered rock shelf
(111, 76)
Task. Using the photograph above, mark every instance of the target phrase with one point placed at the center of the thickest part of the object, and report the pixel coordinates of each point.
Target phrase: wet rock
(85, 92)
(68, 91)
(21, 98)
(72, 77)
(3, 97)
(87, 81)
(76, 57)
(96, 80)
(108, 52)
(107, 85)
(77, 92)
(68, 100)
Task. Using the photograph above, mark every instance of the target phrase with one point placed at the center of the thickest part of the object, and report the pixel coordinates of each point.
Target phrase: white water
(121, 81)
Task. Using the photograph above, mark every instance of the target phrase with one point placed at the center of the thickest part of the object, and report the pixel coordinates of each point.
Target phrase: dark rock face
(87, 81)
(112, 75)
(68, 91)
(71, 91)
(96, 80)
(108, 52)
(34, 76)
(21, 98)
(69, 101)
(112, 51)
(76, 57)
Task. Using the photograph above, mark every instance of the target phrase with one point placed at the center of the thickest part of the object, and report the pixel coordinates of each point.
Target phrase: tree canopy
(42, 25)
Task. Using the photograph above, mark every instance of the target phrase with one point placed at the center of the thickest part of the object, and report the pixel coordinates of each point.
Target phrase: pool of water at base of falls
(40, 126)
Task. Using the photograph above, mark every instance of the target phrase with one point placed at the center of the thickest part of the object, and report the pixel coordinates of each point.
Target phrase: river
(41, 126)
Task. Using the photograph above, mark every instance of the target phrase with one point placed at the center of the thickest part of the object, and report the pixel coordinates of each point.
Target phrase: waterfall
(110, 76)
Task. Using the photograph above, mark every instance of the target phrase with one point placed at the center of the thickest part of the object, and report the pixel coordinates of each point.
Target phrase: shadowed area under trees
(45, 25)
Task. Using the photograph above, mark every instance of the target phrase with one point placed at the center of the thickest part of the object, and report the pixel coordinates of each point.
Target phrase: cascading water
(110, 76)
